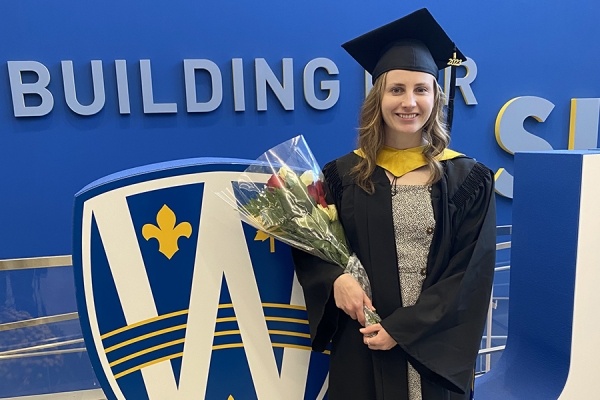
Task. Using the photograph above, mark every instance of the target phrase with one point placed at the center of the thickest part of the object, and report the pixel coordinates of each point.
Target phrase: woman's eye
(422, 90)
(396, 90)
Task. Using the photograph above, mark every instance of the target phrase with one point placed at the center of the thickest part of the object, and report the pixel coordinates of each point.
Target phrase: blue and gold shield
(178, 299)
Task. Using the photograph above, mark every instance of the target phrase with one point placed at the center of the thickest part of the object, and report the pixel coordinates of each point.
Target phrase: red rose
(320, 189)
(315, 190)
(275, 182)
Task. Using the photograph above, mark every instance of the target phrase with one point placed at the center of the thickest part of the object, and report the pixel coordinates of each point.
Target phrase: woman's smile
(407, 116)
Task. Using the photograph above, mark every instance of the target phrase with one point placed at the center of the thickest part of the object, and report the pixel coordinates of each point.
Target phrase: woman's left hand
(381, 341)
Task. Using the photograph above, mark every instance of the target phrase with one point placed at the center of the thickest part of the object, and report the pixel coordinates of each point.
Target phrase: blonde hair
(371, 135)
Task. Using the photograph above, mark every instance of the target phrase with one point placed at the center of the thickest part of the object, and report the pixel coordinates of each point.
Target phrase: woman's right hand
(349, 297)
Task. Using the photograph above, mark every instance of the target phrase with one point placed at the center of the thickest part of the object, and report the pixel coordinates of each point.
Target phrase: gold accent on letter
(497, 126)
(166, 232)
(573, 118)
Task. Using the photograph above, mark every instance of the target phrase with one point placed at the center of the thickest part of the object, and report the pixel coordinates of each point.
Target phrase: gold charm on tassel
(454, 61)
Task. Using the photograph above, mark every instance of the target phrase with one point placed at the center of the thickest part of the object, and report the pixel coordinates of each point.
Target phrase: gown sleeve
(316, 277)
(441, 333)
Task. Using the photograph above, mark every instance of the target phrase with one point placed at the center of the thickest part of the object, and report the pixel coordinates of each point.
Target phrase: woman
(420, 217)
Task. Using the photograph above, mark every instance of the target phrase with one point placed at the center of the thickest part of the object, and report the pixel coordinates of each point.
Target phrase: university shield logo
(178, 299)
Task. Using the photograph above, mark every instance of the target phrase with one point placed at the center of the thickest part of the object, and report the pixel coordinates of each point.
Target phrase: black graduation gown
(441, 333)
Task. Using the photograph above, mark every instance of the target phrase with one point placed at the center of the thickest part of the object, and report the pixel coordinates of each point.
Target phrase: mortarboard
(415, 42)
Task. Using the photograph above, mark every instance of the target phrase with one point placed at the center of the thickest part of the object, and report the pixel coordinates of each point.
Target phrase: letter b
(19, 89)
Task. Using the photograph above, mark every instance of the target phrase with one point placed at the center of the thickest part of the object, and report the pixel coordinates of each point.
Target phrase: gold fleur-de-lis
(230, 397)
(166, 232)
(260, 235)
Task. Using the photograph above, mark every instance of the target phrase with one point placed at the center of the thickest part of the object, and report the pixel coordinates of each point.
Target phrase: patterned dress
(414, 224)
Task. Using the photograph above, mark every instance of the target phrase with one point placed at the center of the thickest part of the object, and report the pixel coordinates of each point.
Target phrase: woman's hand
(349, 297)
(381, 341)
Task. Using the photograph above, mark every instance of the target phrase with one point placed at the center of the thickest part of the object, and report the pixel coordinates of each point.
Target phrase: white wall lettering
(283, 91)
(150, 107)
(19, 89)
(239, 98)
(512, 136)
(333, 86)
(464, 83)
(583, 127)
(190, 67)
(71, 93)
(122, 86)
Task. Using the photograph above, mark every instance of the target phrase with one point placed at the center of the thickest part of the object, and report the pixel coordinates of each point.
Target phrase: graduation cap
(415, 42)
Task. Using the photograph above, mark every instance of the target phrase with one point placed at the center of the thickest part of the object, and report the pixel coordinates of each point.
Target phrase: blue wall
(520, 49)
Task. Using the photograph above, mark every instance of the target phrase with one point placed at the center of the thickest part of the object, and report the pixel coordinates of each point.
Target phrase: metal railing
(488, 350)
(35, 262)
(66, 261)
(45, 349)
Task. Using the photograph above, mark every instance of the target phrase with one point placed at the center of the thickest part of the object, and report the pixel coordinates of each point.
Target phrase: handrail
(35, 262)
(494, 337)
(38, 321)
(32, 349)
(43, 353)
(503, 245)
(492, 349)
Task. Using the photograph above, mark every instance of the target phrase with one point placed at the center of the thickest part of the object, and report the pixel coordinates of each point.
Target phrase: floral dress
(414, 224)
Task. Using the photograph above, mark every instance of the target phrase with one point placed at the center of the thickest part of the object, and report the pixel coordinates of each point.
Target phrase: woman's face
(406, 105)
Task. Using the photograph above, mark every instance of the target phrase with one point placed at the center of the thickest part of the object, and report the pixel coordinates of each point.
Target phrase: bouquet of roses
(291, 207)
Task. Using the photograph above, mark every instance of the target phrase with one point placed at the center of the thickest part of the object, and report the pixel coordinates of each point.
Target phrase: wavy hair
(371, 135)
